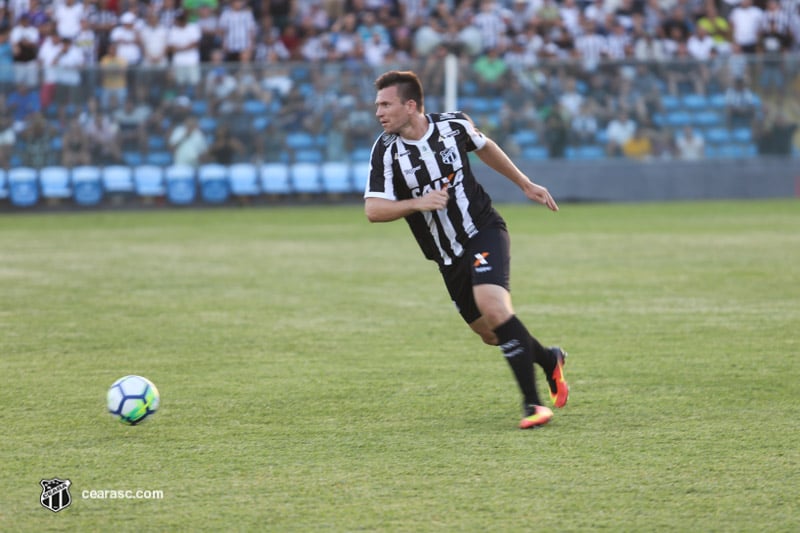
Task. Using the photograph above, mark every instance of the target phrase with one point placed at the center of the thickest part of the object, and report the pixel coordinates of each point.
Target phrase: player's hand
(539, 194)
(434, 200)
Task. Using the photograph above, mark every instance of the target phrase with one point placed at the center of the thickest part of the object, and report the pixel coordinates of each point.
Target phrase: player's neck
(416, 128)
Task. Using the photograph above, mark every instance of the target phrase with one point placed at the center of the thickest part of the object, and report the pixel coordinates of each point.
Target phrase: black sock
(542, 356)
(515, 343)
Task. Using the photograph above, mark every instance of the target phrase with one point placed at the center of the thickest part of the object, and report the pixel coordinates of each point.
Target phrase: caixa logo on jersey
(55, 494)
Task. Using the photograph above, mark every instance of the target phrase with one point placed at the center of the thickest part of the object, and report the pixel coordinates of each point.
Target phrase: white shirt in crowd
(48, 52)
(68, 18)
(154, 45)
(690, 145)
(23, 33)
(178, 36)
(620, 130)
(188, 146)
(745, 22)
(127, 44)
(700, 47)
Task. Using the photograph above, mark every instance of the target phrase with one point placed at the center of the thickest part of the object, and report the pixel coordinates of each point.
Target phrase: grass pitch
(314, 375)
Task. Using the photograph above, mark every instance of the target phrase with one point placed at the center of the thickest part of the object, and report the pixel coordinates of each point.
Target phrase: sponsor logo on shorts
(480, 263)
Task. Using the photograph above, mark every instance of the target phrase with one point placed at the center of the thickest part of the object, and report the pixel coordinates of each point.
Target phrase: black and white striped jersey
(401, 169)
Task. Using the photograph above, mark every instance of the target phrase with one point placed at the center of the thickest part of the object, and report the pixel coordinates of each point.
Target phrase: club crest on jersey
(449, 155)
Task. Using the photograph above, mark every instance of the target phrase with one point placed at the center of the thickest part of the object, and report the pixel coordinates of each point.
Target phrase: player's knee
(488, 337)
(484, 330)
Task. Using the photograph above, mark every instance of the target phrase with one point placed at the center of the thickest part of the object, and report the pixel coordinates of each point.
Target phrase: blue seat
(478, 104)
(260, 123)
(299, 140)
(55, 182)
(180, 183)
(670, 102)
(199, 107)
(305, 178)
(736, 151)
(148, 181)
(161, 158)
(360, 154)
(336, 177)
(207, 124)
(695, 101)
(308, 155)
(244, 179)
(117, 179)
(360, 175)
(717, 101)
(214, 185)
(678, 119)
(592, 152)
(156, 142)
(742, 135)
(535, 153)
(23, 186)
(254, 107)
(585, 153)
(87, 186)
(469, 88)
(275, 178)
(525, 138)
(3, 184)
(707, 118)
(132, 158)
(718, 135)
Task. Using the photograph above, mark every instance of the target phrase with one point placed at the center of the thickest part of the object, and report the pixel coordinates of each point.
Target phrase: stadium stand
(294, 111)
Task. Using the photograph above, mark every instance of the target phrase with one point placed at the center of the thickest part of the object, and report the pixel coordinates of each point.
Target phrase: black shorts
(486, 260)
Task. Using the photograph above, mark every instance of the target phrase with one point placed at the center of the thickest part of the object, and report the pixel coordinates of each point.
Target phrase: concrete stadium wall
(628, 181)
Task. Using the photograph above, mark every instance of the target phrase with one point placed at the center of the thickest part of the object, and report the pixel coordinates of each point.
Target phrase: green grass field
(315, 376)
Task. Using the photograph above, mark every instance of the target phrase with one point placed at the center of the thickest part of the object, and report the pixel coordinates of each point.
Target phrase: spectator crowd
(102, 75)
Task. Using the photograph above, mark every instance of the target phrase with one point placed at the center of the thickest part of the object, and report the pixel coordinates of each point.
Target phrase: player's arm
(383, 210)
(496, 159)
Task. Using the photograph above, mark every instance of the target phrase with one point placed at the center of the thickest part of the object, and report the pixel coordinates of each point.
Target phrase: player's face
(393, 114)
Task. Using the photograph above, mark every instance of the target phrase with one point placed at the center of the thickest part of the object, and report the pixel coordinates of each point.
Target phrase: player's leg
(494, 302)
(490, 274)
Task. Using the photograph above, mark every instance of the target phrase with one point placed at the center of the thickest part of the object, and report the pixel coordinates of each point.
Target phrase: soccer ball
(132, 399)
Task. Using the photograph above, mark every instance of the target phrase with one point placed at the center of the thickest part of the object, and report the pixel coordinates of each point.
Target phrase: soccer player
(420, 171)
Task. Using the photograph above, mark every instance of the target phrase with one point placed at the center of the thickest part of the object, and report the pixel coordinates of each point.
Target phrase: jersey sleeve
(380, 182)
(475, 139)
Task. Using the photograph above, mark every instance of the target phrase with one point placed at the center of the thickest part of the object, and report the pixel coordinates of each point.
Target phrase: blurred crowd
(111, 72)
(161, 32)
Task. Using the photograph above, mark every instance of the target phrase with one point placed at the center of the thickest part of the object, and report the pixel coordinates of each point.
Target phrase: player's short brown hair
(409, 87)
